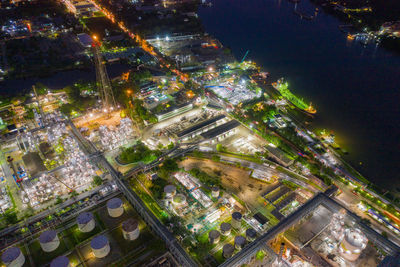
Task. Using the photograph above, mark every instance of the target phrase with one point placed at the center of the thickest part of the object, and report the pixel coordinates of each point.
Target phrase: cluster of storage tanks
(352, 241)
(100, 245)
(225, 230)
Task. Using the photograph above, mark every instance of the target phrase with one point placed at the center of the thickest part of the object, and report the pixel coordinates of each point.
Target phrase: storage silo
(169, 190)
(61, 261)
(86, 222)
(215, 191)
(227, 251)
(251, 234)
(236, 220)
(213, 236)
(179, 200)
(13, 257)
(115, 207)
(240, 241)
(130, 229)
(225, 228)
(353, 243)
(100, 246)
(49, 240)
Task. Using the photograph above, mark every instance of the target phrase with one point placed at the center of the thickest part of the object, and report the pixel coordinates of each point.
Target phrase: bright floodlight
(210, 69)
(105, 110)
(91, 114)
(167, 38)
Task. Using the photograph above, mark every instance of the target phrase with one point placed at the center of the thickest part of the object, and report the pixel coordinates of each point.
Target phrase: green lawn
(40, 257)
(78, 237)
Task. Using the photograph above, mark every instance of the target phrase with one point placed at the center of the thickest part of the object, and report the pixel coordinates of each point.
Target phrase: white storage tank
(100, 246)
(130, 229)
(251, 234)
(240, 241)
(13, 257)
(115, 207)
(213, 236)
(49, 240)
(353, 243)
(169, 190)
(86, 222)
(61, 261)
(215, 191)
(225, 228)
(227, 251)
(179, 200)
(236, 220)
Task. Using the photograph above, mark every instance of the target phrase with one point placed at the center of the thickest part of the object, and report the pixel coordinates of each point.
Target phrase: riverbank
(327, 70)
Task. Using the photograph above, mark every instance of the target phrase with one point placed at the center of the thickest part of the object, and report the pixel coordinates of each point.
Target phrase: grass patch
(40, 257)
(78, 236)
(127, 246)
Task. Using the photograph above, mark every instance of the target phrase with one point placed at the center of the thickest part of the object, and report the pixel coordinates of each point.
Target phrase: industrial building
(313, 230)
(201, 127)
(221, 132)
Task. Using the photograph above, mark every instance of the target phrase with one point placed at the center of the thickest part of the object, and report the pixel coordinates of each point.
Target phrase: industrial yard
(109, 233)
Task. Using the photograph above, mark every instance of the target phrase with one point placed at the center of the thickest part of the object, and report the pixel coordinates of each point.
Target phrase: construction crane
(245, 55)
(102, 79)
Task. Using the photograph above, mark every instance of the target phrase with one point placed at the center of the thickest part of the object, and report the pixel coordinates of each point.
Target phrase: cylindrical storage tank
(225, 228)
(227, 251)
(13, 257)
(240, 241)
(179, 200)
(61, 261)
(353, 243)
(49, 240)
(100, 246)
(215, 191)
(130, 229)
(213, 236)
(115, 207)
(236, 220)
(86, 222)
(169, 190)
(251, 234)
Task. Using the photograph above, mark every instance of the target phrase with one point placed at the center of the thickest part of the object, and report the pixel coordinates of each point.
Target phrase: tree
(59, 200)
(11, 217)
(97, 181)
(216, 158)
(171, 145)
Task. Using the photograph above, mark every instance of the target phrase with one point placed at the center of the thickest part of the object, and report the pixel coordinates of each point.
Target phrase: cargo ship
(282, 87)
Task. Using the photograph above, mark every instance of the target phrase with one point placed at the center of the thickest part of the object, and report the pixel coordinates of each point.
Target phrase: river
(355, 88)
(59, 80)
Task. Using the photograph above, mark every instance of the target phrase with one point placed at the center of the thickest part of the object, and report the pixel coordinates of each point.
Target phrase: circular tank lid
(215, 188)
(225, 226)
(47, 236)
(237, 215)
(214, 234)
(84, 217)
(114, 203)
(169, 188)
(10, 254)
(61, 261)
(228, 248)
(251, 233)
(179, 198)
(99, 242)
(355, 237)
(130, 225)
(240, 240)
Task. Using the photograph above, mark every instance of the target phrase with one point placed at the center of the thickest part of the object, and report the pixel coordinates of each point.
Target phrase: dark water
(355, 89)
(58, 80)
